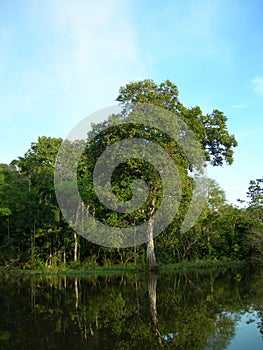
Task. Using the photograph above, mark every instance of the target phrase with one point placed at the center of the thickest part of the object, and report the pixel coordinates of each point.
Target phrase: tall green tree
(14, 208)
(254, 238)
(255, 193)
(210, 130)
(37, 167)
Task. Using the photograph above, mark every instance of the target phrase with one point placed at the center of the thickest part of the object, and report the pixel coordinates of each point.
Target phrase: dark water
(197, 310)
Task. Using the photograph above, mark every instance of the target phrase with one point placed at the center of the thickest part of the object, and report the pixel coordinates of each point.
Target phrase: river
(198, 310)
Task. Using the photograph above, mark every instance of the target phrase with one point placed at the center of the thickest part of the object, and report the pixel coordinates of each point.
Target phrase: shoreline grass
(185, 266)
(82, 270)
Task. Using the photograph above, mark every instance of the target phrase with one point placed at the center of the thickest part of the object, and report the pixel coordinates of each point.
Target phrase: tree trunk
(33, 240)
(75, 234)
(64, 254)
(150, 254)
(75, 246)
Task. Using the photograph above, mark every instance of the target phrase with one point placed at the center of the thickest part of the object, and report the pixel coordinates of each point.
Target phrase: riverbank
(83, 270)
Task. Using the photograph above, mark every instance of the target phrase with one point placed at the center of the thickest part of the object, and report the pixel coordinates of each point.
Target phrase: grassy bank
(82, 270)
(184, 266)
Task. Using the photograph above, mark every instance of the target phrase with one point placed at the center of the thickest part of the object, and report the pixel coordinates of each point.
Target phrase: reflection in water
(203, 310)
(152, 284)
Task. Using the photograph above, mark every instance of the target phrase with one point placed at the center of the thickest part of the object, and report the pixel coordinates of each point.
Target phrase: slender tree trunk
(33, 240)
(75, 246)
(76, 243)
(150, 254)
(64, 254)
(135, 255)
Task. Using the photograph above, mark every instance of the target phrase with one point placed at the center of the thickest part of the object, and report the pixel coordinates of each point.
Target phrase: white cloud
(101, 51)
(68, 48)
(258, 85)
(239, 106)
(62, 60)
(187, 29)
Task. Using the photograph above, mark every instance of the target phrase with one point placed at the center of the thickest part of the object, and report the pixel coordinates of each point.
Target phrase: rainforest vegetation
(34, 233)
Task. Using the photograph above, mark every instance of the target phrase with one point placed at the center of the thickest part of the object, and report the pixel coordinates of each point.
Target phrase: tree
(254, 238)
(255, 193)
(14, 221)
(210, 130)
(46, 224)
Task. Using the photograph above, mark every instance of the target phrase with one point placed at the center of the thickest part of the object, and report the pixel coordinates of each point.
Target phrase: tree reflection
(182, 311)
(152, 285)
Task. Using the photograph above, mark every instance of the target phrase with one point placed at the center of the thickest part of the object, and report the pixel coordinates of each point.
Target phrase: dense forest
(34, 233)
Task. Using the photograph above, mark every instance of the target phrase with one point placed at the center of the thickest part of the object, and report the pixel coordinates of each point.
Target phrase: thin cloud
(101, 50)
(239, 106)
(60, 61)
(84, 52)
(193, 30)
(258, 85)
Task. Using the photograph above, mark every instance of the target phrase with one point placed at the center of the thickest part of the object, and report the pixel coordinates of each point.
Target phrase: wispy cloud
(186, 28)
(101, 50)
(73, 57)
(239, 106)
(60, 61)
(258, 85)
(80, 42)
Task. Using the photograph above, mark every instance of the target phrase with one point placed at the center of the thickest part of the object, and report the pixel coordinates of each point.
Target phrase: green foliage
(254, 236)
(255, 193)
(210, 129)
(34, 234)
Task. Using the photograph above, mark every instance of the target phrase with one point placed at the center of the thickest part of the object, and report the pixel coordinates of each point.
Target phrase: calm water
(208, 310)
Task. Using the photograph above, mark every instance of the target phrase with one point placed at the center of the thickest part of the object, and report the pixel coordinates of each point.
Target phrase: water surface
(219, 309)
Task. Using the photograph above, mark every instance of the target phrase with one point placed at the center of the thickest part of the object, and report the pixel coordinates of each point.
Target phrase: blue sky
(61, 60)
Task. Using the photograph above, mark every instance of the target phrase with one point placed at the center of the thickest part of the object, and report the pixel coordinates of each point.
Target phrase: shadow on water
(193, 310)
